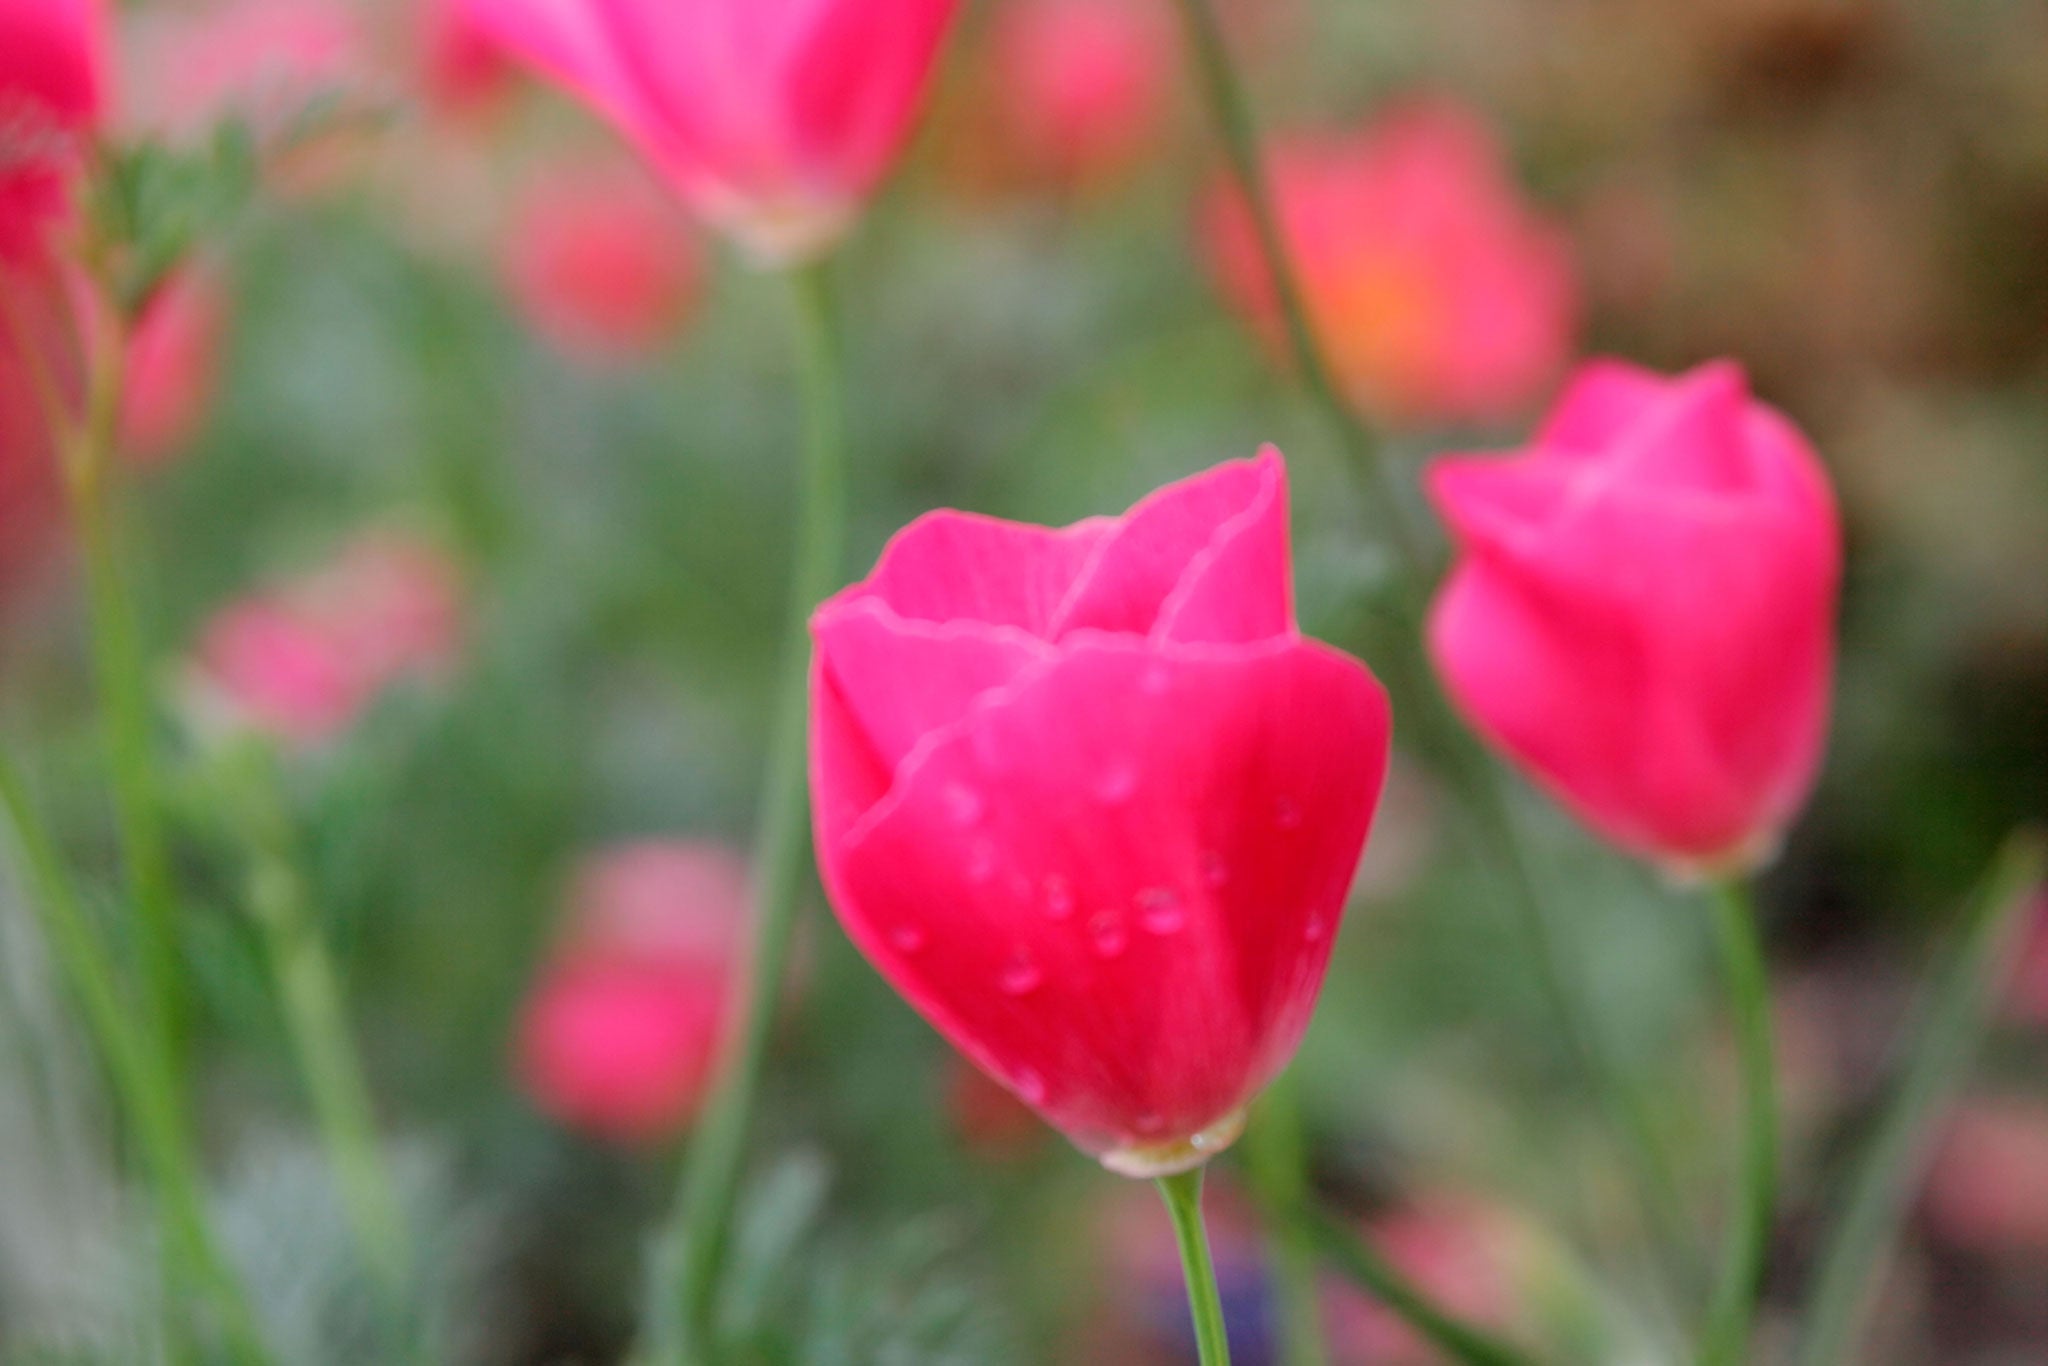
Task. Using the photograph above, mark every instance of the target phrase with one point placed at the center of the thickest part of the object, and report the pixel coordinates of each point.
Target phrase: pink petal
(956, 566)
(1115, 888)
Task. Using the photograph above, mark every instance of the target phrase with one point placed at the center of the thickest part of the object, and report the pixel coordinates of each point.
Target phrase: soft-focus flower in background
(463, 72)
(600, 261)
(2027, 998)
(1642, 612)
(1438, 294)
(1080, 88)
(173, 364)
(1988, 1187)
(1088, 799)
(301, 661)
(53, 82)
(1465, 1256)
(774, 119)
(619, 1033)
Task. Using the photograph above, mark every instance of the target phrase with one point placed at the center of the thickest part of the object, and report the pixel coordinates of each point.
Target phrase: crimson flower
(1092, 804)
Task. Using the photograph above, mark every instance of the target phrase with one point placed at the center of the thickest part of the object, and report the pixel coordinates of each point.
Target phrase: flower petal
(1115, 886)
(957, 566)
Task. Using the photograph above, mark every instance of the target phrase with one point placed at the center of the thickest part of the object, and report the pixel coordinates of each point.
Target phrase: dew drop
(1119, 782)
(1215, 872)
(1149, 1124)
(1317, 927)
(1020, 977)
(962, 803)
(1030, 1086)
(1107, 934)
(1286, 814)
(1161, 912)
(1059, 898)
(907, 938)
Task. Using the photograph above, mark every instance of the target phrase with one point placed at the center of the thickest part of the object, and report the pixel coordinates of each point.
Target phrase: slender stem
(782, 850)
(1224, 92)
(1374, 1274)
(315, 1017)
(1279, 1169)
(123, 680)
(1183, 1194)
(1748, 1240)
(1936, 1065)
(132, 1055)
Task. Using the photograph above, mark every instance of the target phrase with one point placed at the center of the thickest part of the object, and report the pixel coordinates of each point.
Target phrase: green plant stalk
(1278, 1158)
(1183, 1194)
(311, 1000)
(711, 1173)
(1726, 1340)
(1223, 91)
(135, 1067)
(122, 676)
(1369, 1271)
(1948, 1028)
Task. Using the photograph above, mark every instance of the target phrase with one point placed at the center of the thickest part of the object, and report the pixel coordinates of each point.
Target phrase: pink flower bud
(774, 119)
(1092, 804)
(1081, 86)
(1437, 294)
(1642, 612)
(620, 1033)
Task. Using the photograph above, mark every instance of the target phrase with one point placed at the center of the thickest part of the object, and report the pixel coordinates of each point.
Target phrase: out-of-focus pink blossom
(52, 94)
(1460, 1253)
(173, 360)
(2028, 999)
(1988, 1187)
(774, 119)
(1436, 291)
(600, 261)
(1080, 87)
(300, 662)
(463, 70)
(620, 1033)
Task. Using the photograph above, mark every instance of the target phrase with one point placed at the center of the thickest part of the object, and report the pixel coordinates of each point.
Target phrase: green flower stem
(710, 1177)
(123, 680)
(133, 1057)
(1183, 1194)
(1278, 1159)
(1726, 1342)
(1224, 93)
(1936, 1065)
(316, 1019)
(1364, 1267)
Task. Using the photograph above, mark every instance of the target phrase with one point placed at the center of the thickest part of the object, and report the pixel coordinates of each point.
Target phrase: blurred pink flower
(1438, 294)
(463, 70)
(620, 1032)
(1988, 1187)
(260, 59)
(774, 119)
(1458, 1251)
(1081, 86)
(600, 261)
(302, 661)
(173, 357)
(52, 93)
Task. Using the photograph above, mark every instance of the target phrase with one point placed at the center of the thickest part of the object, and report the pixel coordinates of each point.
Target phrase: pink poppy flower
(1642, 611)
(1092, 804)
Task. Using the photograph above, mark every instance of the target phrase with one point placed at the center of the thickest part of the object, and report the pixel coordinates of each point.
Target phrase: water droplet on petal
(1106, 933)
(1315, 929)
(1286, 814)
(1215, 872)
(1020, 977)
(1059, 898)
(1149, 1124)
(1119, 782)
(1030, 1086)
(1161, 912)
(907, 938)
(962, 803)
